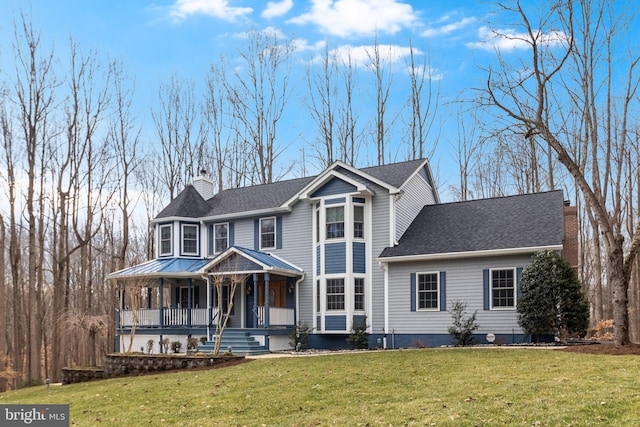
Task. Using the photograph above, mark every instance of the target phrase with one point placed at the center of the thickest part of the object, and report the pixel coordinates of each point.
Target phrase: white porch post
(209, 308)
(255, 300)
(266, 299)
(161, 302)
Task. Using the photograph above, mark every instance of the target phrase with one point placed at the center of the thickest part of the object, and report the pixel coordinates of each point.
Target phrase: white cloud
(507, 40)
(360, 56)
(303, 45)
(448, 28)
(345, 18)
(429, 73)
(182, 9)
(275, 8)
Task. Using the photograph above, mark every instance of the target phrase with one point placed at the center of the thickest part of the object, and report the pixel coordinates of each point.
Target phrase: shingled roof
(189, 204)
(524, 221)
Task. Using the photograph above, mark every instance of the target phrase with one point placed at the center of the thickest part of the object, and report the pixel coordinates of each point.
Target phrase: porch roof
(237, 259)
(162, 267)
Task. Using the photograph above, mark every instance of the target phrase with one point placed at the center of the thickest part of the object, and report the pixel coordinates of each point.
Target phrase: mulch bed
(608, 349)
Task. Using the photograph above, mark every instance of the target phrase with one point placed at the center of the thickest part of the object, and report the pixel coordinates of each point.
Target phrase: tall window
(165, 240)
(221, 239)
(358, 222)
(427, 291)
(503, 288)
(358, 293)
(335, 294)
(267, 233)
(189, 239)
(335, 222)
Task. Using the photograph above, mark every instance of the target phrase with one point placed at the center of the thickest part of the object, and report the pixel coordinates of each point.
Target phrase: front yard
(472, 386)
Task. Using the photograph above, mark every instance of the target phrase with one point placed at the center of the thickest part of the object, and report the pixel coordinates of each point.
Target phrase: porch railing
(179, 317)
(277, 315)
(170, 317)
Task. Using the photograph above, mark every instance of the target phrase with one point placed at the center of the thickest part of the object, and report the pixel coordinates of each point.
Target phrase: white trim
(160, 227)
(438, 284)
(275, 233)
(263, 268)
(215, 251)
(515, 289)
(227, 217)
(329, 173)
(467, 254)
(385, 268)
(183, 252)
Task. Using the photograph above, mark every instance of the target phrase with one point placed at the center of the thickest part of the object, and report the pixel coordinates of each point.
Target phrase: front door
(277, 294)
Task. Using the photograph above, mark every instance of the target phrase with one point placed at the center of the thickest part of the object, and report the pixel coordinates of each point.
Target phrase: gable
(333, 187)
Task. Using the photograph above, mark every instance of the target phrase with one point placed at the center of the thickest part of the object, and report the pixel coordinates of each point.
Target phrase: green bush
(551, 300)
(299, 336)
(463, 327)
(359, 337)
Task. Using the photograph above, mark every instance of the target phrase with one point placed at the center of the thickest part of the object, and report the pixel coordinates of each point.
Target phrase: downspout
(385, 268)
(295, 309)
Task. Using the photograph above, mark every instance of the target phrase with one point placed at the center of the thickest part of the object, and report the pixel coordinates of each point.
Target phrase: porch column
(266, 300)
(209, 308)
(189, 302)
(255, 300)
(149, 298)
(161, 302)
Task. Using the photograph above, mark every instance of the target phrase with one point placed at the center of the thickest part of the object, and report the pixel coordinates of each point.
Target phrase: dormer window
(268, 233)
(165, 240)
(189, 239)
(335, 222)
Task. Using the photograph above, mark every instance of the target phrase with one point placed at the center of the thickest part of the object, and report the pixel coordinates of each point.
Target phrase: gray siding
(463, 282)
(380, 240)
(359, 257)
(243, 233)
(334, 186)
(416, 194)
(297, 248)
(335, 258)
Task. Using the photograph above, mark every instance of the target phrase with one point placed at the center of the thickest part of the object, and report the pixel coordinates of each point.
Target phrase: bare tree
(557, 83)
(34, 91)
(379, 67)
(221, 279)
(423, 102)
(179, 132)
(259, 96)
(468, 148)
(321, 104)
(348, 135)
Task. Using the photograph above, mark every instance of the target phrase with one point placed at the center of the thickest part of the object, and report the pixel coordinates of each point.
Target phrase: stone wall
(120, 364)
(80, 375)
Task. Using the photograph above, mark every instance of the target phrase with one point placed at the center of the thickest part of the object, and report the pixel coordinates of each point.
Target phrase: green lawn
(411, 387)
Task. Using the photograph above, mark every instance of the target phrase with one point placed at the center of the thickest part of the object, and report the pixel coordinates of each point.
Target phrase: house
(332, 250)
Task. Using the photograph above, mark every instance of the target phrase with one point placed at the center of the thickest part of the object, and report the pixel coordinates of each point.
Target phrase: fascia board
(468, 254)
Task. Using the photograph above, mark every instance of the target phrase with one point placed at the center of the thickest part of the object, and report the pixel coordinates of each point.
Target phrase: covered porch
(191, 294)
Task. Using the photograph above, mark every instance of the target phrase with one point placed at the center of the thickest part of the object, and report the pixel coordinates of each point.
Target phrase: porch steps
(239, 341)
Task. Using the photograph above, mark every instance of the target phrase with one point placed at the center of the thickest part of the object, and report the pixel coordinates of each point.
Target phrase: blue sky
(155, 39)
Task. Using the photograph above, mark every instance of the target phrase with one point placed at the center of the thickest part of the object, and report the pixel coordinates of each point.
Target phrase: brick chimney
(570, 239)
(203, 185)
